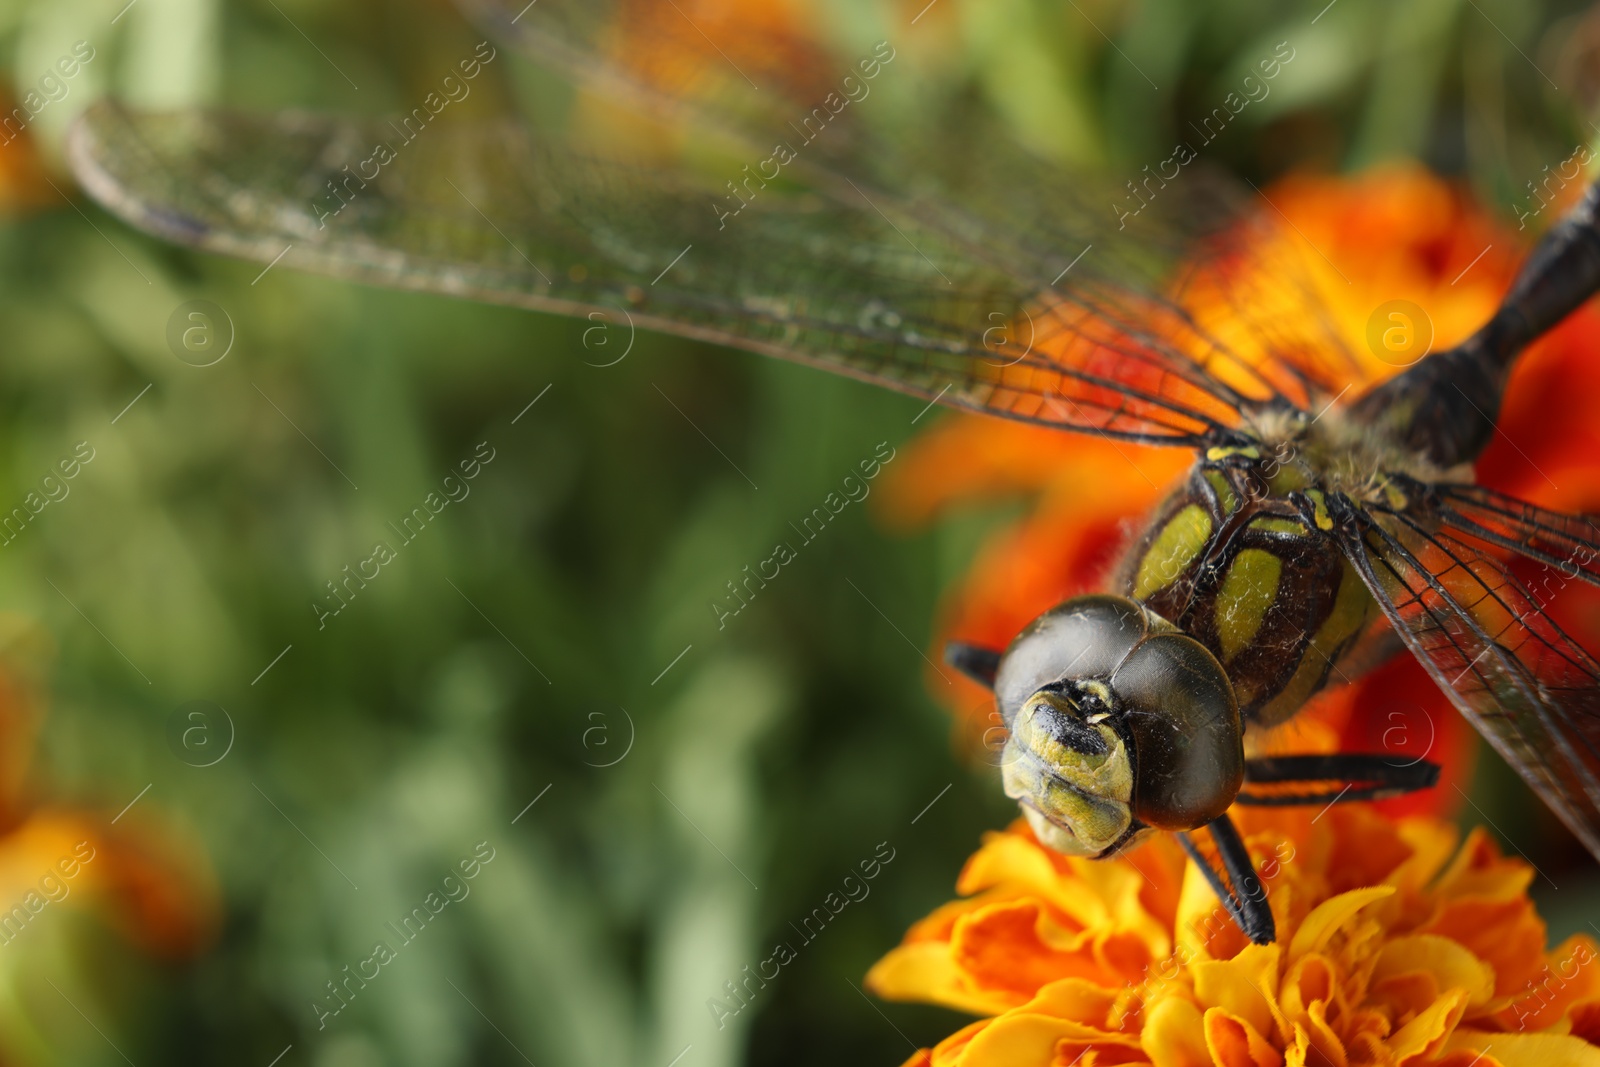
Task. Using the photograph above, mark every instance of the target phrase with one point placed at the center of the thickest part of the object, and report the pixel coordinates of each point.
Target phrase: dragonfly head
(1119, 724)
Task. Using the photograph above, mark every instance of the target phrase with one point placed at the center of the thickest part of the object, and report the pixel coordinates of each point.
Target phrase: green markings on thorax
(1173, 550)
(1249, 589)
(1274, 524)
(1227, 499)
(1230, 562)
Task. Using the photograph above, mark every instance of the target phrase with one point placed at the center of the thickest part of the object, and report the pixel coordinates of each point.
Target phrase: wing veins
(1513, 668)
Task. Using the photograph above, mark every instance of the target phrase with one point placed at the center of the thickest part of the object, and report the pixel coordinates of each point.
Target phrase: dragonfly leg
(974, 661)
(1365, 777)
(1236, 885)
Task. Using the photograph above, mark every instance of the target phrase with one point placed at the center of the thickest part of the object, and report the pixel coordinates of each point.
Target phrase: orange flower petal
(1014, 947)
(967, 458)
(1566, 987)
(155, 889)
(1233, 1042)
(926, 971)
(1386, 973)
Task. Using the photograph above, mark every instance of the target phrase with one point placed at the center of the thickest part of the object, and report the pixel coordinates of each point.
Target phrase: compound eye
(1184, 724)
(1085, 637)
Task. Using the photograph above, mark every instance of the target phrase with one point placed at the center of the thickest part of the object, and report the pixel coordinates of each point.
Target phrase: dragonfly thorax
(1336, 451)
(1234, 562)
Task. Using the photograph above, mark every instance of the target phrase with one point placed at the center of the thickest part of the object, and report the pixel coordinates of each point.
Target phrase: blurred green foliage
(526, 635)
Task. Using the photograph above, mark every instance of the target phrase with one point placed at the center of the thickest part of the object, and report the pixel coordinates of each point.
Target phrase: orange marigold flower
(139, 874)
(23, 185)
(1396, 233)
(1394, 947)
(670, 48)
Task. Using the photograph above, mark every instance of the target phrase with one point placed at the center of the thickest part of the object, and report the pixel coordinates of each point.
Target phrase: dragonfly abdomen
(1445, 407)
(1275, 602)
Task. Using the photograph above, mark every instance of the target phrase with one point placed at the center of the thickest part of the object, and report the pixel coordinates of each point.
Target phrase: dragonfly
(1316, 534)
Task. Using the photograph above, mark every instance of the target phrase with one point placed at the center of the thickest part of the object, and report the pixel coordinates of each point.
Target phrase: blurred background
(541, 677)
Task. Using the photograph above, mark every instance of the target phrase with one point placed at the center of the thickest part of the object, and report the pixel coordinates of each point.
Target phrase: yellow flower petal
(1032, 1033)
(1326, 919)
(1480, 873)
(1118, 884)
(1308, 980)
(1296, 1052)
(1425, 1035)
(1242, 985)
(1103, 892)
(1016, 946)
(1174, 1035)
(1233, 1042)
(1432, 845)
(1076, 1000)
(1008, 859)
(1527, 1050)
(1325, 1041)
(1447, 961)
(952, 1050)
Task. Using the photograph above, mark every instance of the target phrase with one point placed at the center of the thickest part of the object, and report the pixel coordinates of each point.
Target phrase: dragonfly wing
(760, 74)
(1034, 270)
(494, 212)
(1569, 543)
(1525, 685)
(750, 69)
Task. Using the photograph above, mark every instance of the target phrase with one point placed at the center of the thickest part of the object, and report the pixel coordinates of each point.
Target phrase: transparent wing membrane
(1506, 665)
(493, 212)
(986, 278)
(1569, 543)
